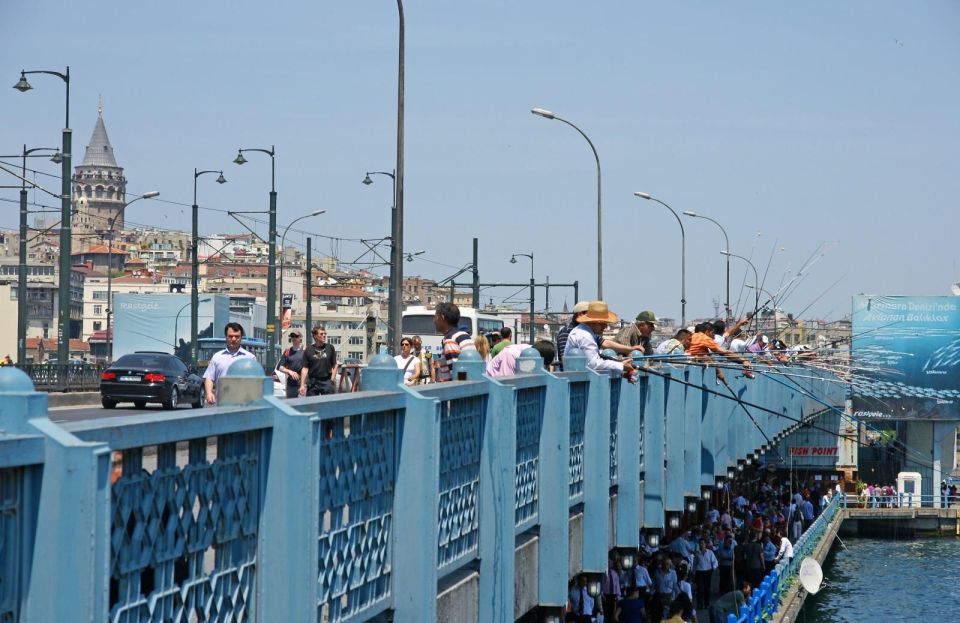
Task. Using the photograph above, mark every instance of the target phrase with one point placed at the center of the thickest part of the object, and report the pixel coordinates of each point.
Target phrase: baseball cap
(294, 334)
(646, 316)
(581, 307)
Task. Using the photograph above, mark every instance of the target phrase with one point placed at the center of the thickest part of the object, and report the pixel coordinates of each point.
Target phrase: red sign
(813, 451)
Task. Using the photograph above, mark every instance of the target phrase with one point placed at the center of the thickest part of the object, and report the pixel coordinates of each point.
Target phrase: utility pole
(476, 276)
(309, 293)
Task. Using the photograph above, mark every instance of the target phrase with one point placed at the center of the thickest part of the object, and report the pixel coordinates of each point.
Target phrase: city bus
(208, 346)
(418, 320)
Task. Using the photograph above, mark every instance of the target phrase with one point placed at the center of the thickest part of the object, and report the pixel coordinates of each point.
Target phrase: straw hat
(598, 311)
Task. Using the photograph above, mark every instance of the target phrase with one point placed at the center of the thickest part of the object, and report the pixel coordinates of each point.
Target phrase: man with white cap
(564, 331)
(592, 323)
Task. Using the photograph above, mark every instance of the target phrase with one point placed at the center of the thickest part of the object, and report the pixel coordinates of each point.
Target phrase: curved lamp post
(546, 114)
(683, 257)
(533, 325)
(756, 279)
(108, 234)
(727, 242)
(395, 288)
(273, 336)
(57, 158)
(195, 268)
(283, 242)
(66, 230)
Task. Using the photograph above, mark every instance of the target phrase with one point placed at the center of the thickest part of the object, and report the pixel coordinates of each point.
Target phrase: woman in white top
(408, 362)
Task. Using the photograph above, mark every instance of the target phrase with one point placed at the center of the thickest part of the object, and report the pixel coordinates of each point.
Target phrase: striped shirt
(455, 341)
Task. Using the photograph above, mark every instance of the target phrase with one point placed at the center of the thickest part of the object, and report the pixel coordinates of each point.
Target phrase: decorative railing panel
(357, 477)
(578, 417)
(461, 437)
(530, 404)
(183, 537)
(11, 485)
(614, 410)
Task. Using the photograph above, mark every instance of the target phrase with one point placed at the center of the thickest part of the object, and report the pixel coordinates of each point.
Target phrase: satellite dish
(811, 575)
(955, 288)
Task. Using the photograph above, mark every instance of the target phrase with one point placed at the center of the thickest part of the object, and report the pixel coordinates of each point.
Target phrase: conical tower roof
(99, 150)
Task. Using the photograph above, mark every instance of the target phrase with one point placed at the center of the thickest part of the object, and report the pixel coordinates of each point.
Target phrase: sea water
(888, 580)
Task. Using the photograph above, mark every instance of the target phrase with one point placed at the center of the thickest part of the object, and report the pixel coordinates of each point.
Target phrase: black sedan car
(144, 377)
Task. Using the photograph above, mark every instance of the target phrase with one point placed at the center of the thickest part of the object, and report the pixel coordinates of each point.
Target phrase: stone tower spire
(99, 187)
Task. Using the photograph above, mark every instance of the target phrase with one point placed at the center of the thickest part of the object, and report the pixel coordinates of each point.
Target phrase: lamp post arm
(596, 158)
(683, 262)
(66, 79)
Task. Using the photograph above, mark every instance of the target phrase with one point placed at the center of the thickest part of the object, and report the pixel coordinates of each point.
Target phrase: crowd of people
(710, 566)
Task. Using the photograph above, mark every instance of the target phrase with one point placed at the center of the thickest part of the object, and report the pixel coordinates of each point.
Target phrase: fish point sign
(813, 451)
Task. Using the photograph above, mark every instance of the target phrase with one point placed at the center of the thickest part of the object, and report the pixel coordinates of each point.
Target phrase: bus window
(423, 325)
(487, 325)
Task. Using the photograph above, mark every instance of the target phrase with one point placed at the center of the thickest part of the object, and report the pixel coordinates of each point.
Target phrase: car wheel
(108, 403)
(200, 401)
(140, 404)
(174, 400)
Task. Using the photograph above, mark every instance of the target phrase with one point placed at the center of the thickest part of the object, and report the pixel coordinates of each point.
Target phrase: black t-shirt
(320, 361)
(292, 360)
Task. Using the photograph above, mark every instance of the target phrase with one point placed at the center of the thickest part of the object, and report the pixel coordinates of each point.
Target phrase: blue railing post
(628, 458)
(553, 477)
(673, 431)
(417, 492)
(498, 458)
(596, 475)
(287, 547)
(70, 569)
(653, 452)
(691, 433)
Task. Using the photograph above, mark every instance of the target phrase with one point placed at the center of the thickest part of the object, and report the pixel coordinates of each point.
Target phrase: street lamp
(546, 114)
(533, 323)
(283, 242)
(176, 322)
(66, 230)
(683, 257)
(22, 268)
(727, 241)
(272, 334)
(108, 234)
(195, 269)
(395, 288)
(411, 255)
(756, 280)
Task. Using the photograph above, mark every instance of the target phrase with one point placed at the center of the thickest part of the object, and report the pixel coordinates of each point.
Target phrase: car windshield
(142, 361)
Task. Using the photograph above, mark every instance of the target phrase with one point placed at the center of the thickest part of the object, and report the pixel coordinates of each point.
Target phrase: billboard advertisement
(161, 322)
(906, 357)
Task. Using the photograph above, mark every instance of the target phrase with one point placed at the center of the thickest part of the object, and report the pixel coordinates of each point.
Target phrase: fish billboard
(906, 357)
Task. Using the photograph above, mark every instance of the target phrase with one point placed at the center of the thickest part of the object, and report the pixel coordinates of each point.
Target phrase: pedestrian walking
(319, 365)
(291, 363)
(221, 361)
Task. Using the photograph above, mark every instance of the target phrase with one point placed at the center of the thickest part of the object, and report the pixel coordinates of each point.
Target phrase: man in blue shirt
(221, 361)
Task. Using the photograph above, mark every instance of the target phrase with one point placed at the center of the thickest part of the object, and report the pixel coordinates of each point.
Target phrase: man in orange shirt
(702, 344)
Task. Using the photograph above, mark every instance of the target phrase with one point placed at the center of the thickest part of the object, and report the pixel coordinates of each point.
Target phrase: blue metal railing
(765, 599)
(261, 509)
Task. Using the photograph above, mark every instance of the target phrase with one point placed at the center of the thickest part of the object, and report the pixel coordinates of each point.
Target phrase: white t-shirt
(409, 369)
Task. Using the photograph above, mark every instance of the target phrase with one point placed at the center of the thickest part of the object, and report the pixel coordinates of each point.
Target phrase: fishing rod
(723, 379)
(917, 456)
(804, 421)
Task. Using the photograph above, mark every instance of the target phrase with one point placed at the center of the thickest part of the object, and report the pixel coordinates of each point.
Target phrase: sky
(822, 135)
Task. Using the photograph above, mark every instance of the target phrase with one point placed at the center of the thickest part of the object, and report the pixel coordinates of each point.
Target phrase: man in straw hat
(592, 323)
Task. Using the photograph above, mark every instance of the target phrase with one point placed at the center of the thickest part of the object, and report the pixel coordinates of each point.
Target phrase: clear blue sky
(818, 122)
